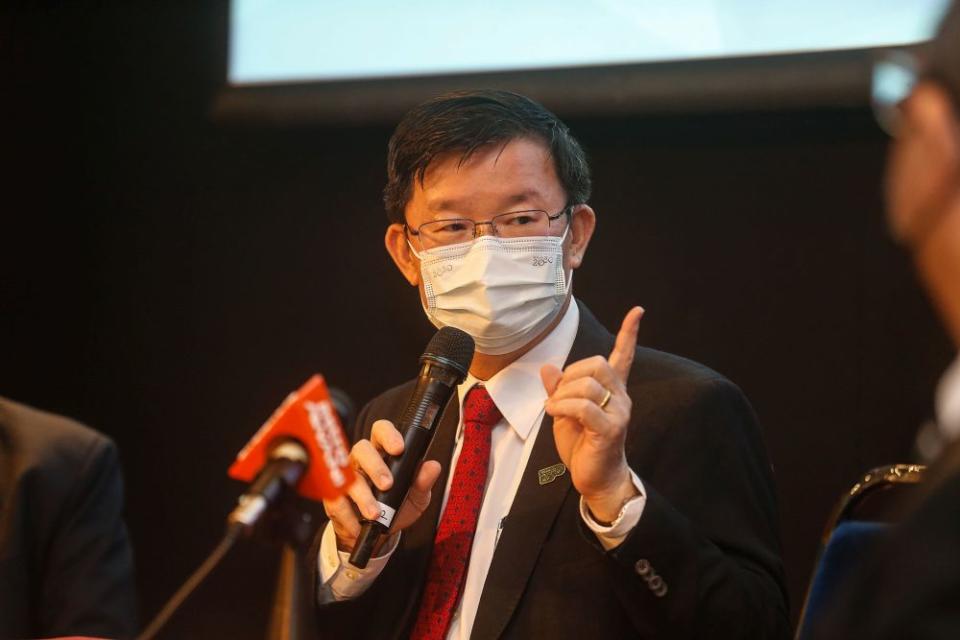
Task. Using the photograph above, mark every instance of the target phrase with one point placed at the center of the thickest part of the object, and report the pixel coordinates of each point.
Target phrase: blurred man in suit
(578, 486)
(910, 588)
(65, 562)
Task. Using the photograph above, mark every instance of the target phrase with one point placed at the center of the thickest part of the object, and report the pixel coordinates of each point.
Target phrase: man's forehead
(441, 202)
(527, 151)
(494, 178)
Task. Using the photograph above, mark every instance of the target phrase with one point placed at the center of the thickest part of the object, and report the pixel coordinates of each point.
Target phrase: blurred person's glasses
(513, 224)
(895, 75)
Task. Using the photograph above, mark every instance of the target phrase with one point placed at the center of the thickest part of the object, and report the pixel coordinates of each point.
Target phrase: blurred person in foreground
(910, 588)
(578, 486)
(66, 568)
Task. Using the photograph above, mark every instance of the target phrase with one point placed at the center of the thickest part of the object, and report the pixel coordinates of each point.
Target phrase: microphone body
(444, 365)
(288, 462)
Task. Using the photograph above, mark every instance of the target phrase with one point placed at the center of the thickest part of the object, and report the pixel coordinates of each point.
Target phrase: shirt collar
(948, 402)
(517, 389)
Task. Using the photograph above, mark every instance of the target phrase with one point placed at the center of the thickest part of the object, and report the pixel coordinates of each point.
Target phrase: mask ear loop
(413, 250)
(406, 236)
(567, 280)
(566, 231)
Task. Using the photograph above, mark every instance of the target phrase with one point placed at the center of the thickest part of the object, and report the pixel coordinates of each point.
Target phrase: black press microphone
(444, 365)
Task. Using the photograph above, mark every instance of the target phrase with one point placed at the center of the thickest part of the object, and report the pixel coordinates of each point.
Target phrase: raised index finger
(621, 358)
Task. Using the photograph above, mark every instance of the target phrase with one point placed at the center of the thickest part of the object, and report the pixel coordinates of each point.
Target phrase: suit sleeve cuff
(339, 579)
(611, 536)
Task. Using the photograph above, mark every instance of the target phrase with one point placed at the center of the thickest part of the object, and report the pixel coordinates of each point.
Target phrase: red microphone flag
(308, 416)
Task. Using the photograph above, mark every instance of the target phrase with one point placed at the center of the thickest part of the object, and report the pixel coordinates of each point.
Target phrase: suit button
(662, 591)
(655, 583)
(642, 567)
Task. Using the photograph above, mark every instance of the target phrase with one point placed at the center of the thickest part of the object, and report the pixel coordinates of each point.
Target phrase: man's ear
(582, 223)
(938, 127)
(396, 243)
(923, 167)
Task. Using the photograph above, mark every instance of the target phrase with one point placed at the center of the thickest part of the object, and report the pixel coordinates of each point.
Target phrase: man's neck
(938, 261)
(484, 366)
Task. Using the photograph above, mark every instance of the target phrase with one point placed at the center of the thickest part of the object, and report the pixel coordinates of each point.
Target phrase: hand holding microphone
(345, 513)
(401, 485)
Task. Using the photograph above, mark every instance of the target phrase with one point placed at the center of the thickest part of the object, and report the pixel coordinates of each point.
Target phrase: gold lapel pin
(551, 473)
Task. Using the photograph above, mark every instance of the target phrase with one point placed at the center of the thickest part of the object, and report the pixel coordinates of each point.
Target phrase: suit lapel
(534, 510)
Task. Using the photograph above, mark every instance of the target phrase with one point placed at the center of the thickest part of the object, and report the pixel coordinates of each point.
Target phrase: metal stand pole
(292, 616)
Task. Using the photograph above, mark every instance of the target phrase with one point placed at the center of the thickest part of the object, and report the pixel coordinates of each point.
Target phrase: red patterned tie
(451, 546)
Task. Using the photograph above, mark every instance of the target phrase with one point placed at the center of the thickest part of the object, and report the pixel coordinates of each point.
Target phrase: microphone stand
(292, 614)
(289, 523)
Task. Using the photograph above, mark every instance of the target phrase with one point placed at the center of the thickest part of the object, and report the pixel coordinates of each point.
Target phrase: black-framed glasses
(895, 74)
(513, 224)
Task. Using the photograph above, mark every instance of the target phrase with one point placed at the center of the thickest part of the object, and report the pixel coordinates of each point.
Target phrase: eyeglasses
(895, 75)
(513, 224)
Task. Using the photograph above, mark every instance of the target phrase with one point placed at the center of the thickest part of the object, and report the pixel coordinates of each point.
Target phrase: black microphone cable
(288, 464)
(234, 530)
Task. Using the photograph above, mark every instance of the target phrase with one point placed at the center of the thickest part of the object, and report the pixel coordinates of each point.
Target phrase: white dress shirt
(518, 392)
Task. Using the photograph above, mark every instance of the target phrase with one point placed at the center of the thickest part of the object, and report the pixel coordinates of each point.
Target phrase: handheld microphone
(444, 365)
(301, 446)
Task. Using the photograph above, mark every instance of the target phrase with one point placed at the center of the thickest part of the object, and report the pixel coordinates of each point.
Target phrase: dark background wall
(168, 279)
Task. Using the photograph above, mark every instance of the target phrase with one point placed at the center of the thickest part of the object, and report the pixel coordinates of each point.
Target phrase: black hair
(466, 121)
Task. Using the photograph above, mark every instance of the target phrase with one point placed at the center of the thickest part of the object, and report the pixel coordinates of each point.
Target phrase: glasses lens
(894, 77)
(521, 224)
(515, 224)
(441, 233)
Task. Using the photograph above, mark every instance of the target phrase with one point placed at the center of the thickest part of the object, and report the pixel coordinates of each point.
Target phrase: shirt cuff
(340, 580)
(611, 536)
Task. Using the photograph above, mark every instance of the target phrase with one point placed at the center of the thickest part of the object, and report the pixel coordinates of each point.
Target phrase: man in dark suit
(910, 588)
(65, 561)
(584, 487)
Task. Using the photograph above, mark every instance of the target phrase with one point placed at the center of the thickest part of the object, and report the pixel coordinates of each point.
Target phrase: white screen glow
(275, 41)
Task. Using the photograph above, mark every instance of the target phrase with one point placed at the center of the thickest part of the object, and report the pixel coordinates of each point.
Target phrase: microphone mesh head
(451, 346)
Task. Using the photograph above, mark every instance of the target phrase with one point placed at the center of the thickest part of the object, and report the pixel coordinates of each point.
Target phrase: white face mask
(502, 291)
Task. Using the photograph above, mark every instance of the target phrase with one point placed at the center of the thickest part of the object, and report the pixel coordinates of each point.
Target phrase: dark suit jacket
(909, 587)
(709, 529)
(65, 562)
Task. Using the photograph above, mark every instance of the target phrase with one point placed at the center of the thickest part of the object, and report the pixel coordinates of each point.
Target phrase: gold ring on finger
(606, 398)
